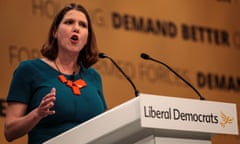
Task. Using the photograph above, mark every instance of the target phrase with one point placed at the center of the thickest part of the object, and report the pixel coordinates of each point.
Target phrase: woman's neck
(67, 65)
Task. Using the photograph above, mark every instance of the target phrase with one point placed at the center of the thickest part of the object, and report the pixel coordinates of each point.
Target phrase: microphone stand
(147, 57)
(102, 55)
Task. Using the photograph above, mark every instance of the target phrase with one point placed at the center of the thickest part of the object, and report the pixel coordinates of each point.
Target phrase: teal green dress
(33, 79)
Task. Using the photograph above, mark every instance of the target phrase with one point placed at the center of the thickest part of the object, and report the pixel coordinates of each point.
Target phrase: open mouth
(74, 37)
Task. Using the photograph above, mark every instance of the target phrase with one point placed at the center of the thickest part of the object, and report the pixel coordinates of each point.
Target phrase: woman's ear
(55, 33)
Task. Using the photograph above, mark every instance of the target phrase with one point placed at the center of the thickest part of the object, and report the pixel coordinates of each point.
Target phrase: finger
(48, 99)
(50, 96)
(48, 106)
(51, 112)
(53, 91)
(45, 110)
(48, 109)
(47, 103)
(46, 113)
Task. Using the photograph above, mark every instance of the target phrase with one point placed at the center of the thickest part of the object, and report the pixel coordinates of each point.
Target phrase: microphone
(147, 57)
(102, 55)
(72, 76)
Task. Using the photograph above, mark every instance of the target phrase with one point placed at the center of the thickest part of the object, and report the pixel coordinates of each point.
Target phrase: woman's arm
(18, 123)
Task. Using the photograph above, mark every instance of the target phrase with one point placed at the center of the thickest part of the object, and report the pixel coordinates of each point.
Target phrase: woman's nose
(76, 28)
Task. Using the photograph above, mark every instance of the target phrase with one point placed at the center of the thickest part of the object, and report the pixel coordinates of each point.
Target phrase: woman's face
(72, 32)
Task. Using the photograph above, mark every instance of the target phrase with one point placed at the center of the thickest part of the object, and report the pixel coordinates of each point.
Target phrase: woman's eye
(68, 21)
(83, 24)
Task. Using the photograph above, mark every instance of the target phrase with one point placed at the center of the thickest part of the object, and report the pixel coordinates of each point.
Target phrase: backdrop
(198, 39)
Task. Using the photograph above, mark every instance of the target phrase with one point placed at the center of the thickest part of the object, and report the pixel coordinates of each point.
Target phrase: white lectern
(151, 119)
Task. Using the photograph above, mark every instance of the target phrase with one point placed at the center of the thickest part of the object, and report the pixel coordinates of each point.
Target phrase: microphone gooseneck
(147, 57)
(102, 55)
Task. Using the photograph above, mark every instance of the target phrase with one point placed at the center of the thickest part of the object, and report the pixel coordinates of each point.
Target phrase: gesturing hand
(46, 104)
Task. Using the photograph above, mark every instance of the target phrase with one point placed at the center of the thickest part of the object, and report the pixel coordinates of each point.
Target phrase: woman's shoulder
(91, 73)
(91, 70)
(29, 62)
(27, 65)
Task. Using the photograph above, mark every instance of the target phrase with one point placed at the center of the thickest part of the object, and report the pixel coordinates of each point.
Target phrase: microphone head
(102, 55)
(145, 56)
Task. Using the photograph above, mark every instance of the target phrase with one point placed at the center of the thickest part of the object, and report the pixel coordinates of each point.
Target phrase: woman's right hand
(44, 108)
(17, 123)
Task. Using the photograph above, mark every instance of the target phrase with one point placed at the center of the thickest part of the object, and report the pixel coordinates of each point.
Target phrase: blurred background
(198, 39)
